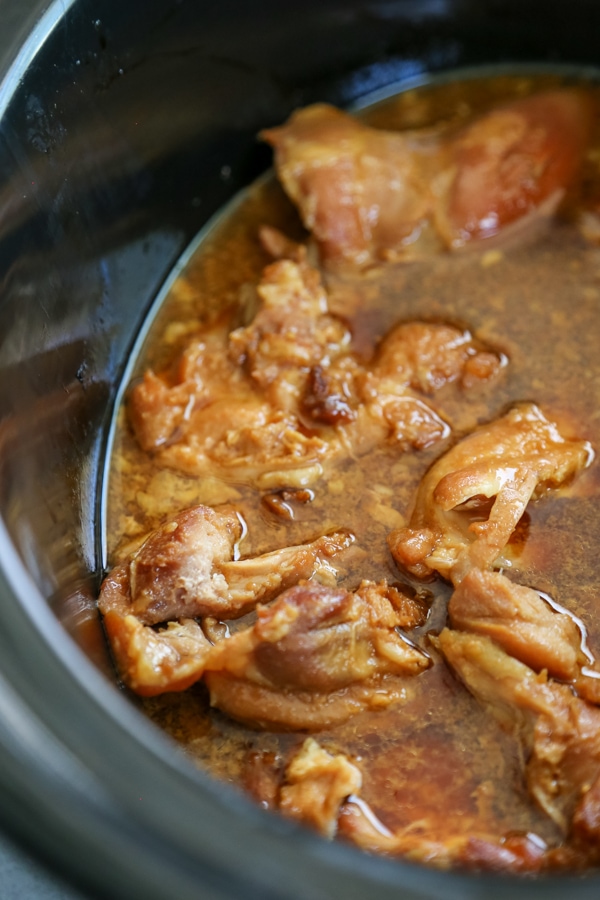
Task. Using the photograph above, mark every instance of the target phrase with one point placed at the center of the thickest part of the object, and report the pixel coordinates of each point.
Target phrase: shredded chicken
(184, 570)
(509, 462)
(291, 332)
(316, 656)
(359, 191)
(316, 785)
(359, 825)
(367, 194)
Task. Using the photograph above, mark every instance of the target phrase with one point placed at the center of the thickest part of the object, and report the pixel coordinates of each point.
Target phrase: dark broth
(437, 756)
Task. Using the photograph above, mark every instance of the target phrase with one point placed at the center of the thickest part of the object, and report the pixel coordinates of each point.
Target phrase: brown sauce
(437, 757)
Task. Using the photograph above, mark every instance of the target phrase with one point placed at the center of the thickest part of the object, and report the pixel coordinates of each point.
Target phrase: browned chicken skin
(366, 194)
(316, 656)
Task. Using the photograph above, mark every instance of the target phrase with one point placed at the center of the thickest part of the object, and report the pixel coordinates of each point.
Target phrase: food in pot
(353, 503)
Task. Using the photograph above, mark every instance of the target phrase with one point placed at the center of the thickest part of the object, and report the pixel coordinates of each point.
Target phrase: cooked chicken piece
(416, 356)
(365, 194)
(360, 191)
(511, 461)
(317, 784)
(425, 356)
(161, 407)
(358, 824)
(585, 826)
(215, 420)
(286, 396)
(559, 731)
(521, 621)
(316, 656)
(187, 569)
(512, 165)
(153, 661)
(279, 245)
(291, 332)
(379, 402)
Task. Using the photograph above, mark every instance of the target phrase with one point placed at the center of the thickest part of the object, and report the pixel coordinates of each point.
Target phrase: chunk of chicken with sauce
(361, 192)
(366, 193)
(528, 625)
(316, 656)
(559, 731)
(208, 416)
(472, 498)
(190, 568)
(316, 785)
(282, 397)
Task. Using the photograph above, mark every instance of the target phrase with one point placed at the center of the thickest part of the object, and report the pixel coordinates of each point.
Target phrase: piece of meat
(513, 163)
(365, 194)
(291, 332)
(279, 246)
(205, 415)
(472, 498)
(187, 569)
(521, 621)
(316, 656)
(316, 785)
(152, 661)
(417, 357)
(278, 400)
(161, 406)
(514, 853)
(360, 191)
(560, 732)
(426, 356)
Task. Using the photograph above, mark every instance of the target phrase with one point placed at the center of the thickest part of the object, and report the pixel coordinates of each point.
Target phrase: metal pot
(123, 128)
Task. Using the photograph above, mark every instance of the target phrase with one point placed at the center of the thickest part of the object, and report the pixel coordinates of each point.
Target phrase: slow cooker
(123, 128)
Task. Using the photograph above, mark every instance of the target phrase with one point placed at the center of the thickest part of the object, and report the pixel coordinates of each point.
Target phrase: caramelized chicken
(559, 731)
(426, 356)
(512, 165)
(161, 407)
(291, 332)
(365, 194)
(225, 427)
(472, 498)
(361, 192)
(521, 621)
(417, 357)
(153, 661)
(316, 656)
(316, 785)
(516, 853)
(188, 569)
